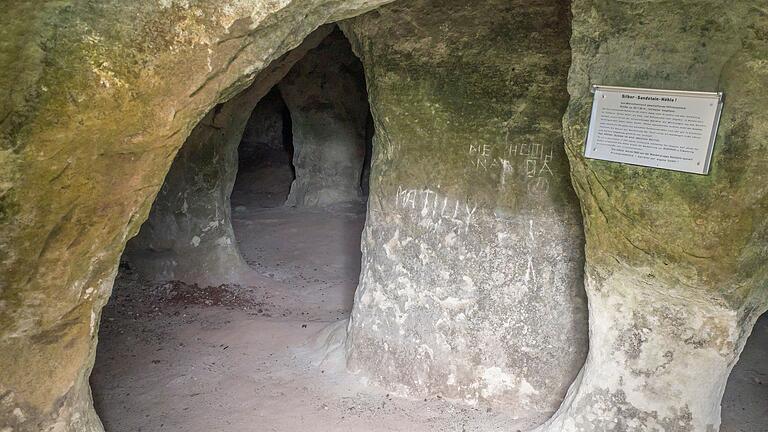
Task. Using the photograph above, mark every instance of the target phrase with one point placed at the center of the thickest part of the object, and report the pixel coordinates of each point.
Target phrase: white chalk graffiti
(534, 161)
(537, 158)
(482, 156)
(435, 208)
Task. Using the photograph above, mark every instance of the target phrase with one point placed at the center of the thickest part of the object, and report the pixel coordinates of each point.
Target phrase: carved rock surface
(676, 263)
(188, 235)
(97, 99)
(471, 285)
(472, 280)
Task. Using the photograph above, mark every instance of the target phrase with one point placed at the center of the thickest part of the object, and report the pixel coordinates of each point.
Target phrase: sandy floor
(217, 369)
(178, 358)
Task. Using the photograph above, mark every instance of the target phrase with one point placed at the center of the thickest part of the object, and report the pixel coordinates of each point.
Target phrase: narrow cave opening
(745, 402)
(265, 168)
(252, 242)
(298, 202)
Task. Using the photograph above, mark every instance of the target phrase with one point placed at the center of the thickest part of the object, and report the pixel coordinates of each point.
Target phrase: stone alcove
(459, 259)
(100, 101)
(319, 93)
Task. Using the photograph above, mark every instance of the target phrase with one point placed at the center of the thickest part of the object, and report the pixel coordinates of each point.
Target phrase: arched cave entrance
(265, 156)
(254, 236)
(471, 287)
(284, 209)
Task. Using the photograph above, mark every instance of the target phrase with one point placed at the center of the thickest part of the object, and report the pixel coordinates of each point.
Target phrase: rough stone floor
(177, 358)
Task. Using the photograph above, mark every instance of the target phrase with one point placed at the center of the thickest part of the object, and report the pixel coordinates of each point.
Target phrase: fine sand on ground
(173, 357)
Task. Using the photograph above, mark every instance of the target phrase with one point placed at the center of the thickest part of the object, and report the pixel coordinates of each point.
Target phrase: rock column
(188, 235)
(471, 285)
(676, 263)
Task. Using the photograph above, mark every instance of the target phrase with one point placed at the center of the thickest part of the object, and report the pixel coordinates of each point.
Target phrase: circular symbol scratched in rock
(538, 185)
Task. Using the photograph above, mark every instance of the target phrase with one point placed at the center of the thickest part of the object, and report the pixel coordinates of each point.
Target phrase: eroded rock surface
(676, 272)
(98, 98)
(473, 251)
(325, 93)
(472, 271)
(188, 235)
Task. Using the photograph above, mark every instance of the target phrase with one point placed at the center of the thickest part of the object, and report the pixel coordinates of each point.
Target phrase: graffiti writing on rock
(436, 209)
(526, 162)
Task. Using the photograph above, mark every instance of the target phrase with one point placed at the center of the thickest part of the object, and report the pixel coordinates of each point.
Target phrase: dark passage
(265, 155)
(745, 403)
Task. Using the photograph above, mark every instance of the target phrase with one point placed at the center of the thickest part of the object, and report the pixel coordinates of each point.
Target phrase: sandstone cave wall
(188, 235)
(99, 97)
(676, 263)
(325, 93)
(471, 285)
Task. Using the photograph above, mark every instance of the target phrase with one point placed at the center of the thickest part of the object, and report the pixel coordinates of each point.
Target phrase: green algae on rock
(675, 270)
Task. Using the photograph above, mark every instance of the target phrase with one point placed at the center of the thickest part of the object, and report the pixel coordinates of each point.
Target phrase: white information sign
(667, 129)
